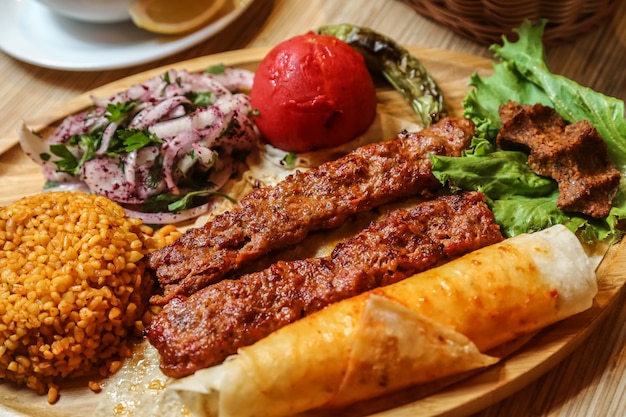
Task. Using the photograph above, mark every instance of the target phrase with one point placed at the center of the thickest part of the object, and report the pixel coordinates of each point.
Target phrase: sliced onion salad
(161, 149)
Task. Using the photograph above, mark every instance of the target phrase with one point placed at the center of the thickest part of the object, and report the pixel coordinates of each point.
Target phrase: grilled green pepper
(401, 69)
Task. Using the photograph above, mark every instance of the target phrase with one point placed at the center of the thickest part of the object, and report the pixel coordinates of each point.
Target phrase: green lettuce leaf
(521, 200)
(526, 215)
(499, 175)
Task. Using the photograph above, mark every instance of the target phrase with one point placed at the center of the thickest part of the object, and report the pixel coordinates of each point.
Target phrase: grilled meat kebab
(321, 198)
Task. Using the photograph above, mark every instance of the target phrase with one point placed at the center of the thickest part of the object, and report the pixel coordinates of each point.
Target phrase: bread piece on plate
(432, 325)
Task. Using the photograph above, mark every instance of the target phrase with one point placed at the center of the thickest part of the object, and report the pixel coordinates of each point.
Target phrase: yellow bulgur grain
(73, 287)
(95, 386)
(53, 394)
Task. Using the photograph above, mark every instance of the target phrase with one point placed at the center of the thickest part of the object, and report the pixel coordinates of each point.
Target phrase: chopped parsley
(173, 203)
(201, 99)
(216, 69)
(119, 111)
(155, 173)
(128, 140)
(187, 201)
(68, 162)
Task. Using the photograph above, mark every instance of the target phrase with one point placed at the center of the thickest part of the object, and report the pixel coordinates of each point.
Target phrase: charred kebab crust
(575, 155)
(204, 329)
(322, 198)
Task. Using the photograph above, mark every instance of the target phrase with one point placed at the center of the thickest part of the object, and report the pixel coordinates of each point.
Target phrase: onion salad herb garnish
(161, 149)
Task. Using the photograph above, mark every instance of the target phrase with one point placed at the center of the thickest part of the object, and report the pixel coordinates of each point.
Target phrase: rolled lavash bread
(432, 325)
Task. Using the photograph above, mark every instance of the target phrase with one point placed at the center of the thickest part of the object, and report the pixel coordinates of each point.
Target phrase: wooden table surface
(591, 381)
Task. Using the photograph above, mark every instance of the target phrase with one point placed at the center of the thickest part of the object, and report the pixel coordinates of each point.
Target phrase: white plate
(32, 33)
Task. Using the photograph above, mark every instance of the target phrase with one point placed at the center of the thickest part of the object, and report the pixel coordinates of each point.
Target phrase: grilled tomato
(312, 91)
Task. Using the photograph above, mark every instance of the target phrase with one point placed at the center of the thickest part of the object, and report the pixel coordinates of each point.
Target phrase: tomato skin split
(311, 92)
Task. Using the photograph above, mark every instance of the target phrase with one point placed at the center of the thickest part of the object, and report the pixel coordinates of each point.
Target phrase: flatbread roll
(429, 326)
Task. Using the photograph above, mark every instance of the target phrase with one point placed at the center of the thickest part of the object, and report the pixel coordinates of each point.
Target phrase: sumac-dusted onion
(313, 91)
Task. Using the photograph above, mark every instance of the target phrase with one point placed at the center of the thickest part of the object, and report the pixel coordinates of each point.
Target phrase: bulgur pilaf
(73, 287)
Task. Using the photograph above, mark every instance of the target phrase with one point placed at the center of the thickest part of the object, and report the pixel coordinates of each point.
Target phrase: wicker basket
(485, 21)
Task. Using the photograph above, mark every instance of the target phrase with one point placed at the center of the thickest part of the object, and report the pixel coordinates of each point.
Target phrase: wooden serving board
(21, 177)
